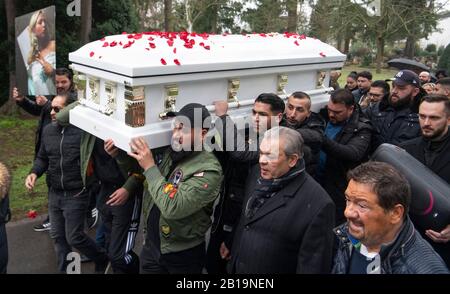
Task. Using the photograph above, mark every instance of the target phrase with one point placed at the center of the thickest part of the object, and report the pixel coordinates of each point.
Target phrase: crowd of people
(304, 197)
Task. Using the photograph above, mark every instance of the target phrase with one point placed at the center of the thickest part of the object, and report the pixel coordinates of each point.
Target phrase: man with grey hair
(379, 237)
(286, 223)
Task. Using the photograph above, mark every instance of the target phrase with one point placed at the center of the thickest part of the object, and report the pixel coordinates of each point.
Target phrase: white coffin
(217, 67)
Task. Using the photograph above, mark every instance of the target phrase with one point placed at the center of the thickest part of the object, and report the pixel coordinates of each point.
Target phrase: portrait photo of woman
(37, 46)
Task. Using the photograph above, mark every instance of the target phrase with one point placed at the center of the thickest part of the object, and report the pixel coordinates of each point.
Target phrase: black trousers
(67, 211)
(190, 261)
(122, 224)
(214, 262)
(3, 249)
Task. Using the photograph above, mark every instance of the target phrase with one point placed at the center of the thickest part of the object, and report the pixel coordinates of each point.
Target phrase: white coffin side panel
(203, 76)
(158, 134)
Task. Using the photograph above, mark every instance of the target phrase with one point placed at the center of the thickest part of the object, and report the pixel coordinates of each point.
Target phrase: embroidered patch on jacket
(170, 190)
(165, 230)
(176, 177)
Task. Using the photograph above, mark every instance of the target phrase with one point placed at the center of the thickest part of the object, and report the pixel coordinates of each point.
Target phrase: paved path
(32, 252)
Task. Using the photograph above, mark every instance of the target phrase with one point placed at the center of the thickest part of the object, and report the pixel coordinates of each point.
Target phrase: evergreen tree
(444, 61)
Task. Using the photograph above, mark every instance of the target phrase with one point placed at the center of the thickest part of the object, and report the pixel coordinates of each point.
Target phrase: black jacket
(349, 149)
(44, 117)
(359, 94)
(441, 163)
(312, 131)
(43, 112)
(59, 155)
(440, 166)
(5, 212)
(228, 209)
(408, 254)
(290, 233)
(392, 126)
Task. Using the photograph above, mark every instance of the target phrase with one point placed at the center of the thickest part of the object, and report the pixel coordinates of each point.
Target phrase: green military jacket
(185, 199)
(86, 147)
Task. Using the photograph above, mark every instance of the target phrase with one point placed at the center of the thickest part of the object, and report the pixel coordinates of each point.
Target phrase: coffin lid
(132, 55)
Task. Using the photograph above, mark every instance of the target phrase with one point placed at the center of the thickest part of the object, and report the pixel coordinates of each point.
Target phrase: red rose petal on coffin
(192, 41)
(148, 49)
(106, 44)
(175, 50)
(202, 44)
(184, 35)
(322, 54)
(207, 47)
(102, 39)
(138, 36)
(188, 45)
(130, 36)
(124, 33)
(151, 39)
(113, 44)
(91, 54)
(120, 43)
(177, 62)
(163, 61)
(152, 45)
(170, 43)
(296, 43)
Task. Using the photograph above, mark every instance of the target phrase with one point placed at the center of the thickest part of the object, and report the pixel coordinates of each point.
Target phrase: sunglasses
(56, 109)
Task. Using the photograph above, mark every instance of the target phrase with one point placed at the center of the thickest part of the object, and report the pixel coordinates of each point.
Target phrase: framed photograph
(36, 52)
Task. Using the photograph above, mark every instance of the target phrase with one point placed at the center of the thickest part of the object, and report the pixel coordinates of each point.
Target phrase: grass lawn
(17, 151)
(385, 73)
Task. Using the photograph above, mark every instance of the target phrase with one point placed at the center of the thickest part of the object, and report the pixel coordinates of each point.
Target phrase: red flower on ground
(163, 61)
(32, 214)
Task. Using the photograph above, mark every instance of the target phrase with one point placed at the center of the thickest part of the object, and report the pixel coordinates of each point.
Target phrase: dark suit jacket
(290, 233)
(441, 165)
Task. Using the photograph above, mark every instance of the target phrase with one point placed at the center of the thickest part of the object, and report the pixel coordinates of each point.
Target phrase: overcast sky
(440, 39)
